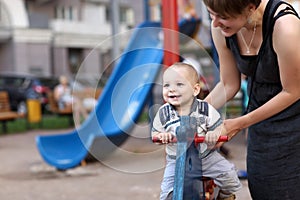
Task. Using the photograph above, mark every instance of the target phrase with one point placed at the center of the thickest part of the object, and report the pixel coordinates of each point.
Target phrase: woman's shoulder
(286, 26)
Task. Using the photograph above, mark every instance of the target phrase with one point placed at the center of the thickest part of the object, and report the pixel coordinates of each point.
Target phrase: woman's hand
(232, 127)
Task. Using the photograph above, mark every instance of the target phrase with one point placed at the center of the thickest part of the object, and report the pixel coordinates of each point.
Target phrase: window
(75, 58)
(126, 15)
(65, 12)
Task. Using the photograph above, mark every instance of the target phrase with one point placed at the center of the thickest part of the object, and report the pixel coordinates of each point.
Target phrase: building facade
(54, 37)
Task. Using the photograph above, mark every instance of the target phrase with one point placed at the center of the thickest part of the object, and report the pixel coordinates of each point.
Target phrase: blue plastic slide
(118, 108)
(120, 104)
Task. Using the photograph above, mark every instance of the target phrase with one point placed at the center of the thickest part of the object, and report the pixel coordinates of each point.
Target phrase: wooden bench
(88, 93)
(5, 113)
(53, 107)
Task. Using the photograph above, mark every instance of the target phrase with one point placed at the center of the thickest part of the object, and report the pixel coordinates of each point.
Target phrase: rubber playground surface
(132, 172)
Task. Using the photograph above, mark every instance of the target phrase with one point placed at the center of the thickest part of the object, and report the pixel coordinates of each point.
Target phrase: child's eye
(180, 84)
(166, 85)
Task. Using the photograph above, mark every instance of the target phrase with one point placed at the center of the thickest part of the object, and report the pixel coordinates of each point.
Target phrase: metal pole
(146, 10)
(115, 22)
(171, 36)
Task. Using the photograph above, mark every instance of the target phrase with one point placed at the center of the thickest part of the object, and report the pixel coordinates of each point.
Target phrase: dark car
(49, 82)
(23, 87)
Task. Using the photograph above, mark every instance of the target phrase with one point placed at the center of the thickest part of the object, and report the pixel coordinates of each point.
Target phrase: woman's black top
(273, 159)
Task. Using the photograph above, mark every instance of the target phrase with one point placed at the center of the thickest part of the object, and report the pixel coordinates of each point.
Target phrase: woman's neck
(257, 16)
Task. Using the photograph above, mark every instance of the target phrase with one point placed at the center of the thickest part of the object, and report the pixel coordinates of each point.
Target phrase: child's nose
(172, 88)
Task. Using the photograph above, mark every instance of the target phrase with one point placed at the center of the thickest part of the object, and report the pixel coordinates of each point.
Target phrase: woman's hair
(230, 8)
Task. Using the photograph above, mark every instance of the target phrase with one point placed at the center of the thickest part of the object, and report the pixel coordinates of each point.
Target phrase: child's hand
(164, 137)
(211, 137)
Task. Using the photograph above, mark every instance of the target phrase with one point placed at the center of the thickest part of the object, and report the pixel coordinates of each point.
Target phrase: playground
(24, 175)
(53, 165)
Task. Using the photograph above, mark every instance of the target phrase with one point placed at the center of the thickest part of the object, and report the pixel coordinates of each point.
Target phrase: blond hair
(63, 79)
(192, 73)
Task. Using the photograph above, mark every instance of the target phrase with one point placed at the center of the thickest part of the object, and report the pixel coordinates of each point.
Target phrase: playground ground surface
(132, 173)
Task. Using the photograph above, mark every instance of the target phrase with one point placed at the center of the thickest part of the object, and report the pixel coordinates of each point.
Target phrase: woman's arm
(288, 55)
(230, 78)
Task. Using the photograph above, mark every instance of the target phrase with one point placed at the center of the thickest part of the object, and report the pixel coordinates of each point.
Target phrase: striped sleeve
(214, 118)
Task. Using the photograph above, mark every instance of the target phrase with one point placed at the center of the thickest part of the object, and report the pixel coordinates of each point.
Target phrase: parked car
(49, 82)
(23, 87)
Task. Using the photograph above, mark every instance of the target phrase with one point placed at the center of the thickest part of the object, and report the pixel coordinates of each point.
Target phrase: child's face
(178, 87)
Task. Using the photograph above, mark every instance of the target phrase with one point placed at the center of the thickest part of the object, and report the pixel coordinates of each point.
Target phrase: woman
(261, 39)
(63, 95)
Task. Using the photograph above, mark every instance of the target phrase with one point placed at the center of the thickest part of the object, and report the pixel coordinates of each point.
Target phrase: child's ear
(197, 89)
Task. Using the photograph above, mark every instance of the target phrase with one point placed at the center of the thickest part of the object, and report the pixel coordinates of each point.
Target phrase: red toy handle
(197, 139)
(200, 139)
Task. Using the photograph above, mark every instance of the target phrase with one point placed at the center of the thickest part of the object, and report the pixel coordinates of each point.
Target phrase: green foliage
(49, 122)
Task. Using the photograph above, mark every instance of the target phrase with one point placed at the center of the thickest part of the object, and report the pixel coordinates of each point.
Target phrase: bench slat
(5, 113)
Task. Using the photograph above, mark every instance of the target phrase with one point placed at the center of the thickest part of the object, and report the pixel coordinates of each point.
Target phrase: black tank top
(273, 148)
(263, 70)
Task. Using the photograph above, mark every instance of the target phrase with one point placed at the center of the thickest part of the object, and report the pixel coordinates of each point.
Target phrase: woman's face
(228, 25)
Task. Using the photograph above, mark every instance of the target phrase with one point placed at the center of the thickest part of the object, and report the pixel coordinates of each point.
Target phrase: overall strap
(164, 114)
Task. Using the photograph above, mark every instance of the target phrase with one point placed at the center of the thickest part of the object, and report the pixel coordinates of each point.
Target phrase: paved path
(134, 172)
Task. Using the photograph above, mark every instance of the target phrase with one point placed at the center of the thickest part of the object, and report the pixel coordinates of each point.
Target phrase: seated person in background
(63, 94)
(65, 99)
